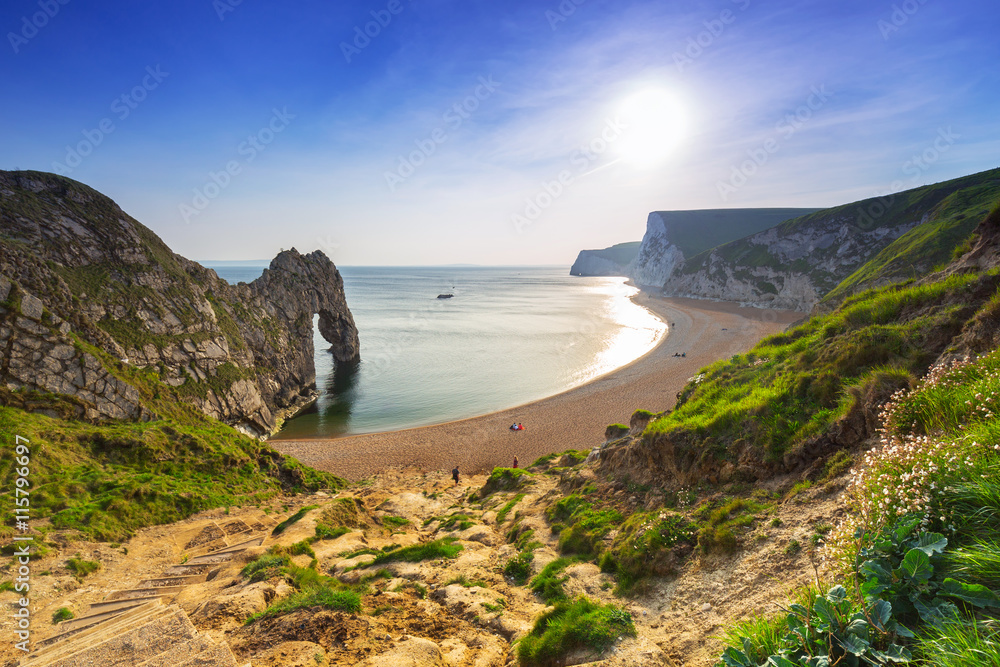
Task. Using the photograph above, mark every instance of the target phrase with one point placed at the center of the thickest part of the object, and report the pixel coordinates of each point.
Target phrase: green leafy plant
(902, 567)
(831, 630)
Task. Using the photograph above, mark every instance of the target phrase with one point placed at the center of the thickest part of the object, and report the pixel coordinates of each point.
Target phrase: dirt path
(704, 331)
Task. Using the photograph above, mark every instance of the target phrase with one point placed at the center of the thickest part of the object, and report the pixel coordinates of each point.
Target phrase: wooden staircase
(139, 627)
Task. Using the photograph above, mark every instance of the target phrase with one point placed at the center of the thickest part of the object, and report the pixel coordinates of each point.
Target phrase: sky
(424, 132)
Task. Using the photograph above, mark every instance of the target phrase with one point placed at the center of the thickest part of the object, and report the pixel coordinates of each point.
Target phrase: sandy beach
(576, 419)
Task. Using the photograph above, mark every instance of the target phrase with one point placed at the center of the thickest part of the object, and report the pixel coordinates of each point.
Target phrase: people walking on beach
(515, 461)
(454, 475)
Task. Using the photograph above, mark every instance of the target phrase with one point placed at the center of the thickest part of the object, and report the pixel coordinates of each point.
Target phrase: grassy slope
(928, 245)
(695, 232)
(978, 192)
(109, 480)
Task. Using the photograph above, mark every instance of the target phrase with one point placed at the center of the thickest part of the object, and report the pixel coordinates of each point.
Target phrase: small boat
(445, 296)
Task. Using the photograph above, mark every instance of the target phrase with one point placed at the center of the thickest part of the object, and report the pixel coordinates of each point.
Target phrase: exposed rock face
(613, 261)
(88, 296)
(658, 258)
(800, 263)
(674, 236)
(831, 254)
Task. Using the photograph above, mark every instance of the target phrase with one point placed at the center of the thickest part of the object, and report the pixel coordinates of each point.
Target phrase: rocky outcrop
(613, 261)
(674, 236)
(831, 254)
(89, 297)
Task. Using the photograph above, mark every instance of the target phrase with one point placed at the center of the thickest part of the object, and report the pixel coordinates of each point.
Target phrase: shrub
(573, 625)
(644, 546)
(62, 614)
(518, 568)
(81, 568)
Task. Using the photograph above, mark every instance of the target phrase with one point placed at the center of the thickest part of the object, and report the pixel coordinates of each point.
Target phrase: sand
(576, 419)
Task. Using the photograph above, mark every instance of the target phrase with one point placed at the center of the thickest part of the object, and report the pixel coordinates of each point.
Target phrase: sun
(655, 123)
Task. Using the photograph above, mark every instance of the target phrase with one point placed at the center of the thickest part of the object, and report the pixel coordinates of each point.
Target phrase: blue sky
(476, 131)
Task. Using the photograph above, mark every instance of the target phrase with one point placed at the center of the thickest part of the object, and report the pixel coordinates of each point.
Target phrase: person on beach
(515, 461)
(454, 475)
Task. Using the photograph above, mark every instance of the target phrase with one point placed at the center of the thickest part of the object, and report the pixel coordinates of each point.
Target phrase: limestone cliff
(840, 251)
(613, 261)
(87, 292)
(673, 236)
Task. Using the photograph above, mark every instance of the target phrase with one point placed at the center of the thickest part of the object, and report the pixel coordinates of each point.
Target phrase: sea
(507, 336)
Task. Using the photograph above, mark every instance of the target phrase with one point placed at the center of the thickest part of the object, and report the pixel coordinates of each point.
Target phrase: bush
(518, 568)
(62, 614)
(81, 568)
(573, 625)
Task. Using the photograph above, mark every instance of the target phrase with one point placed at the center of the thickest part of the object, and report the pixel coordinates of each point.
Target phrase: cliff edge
(88, 294)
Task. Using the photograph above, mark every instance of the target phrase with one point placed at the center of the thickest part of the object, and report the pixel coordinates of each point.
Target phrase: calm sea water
(507, 337)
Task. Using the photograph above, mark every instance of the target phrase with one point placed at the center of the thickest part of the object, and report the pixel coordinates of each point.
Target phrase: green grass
(505, 510)
(548, 583)
(644, 547)
(505, 479)
(444, 548)
(518, 568)
(316, 598)
(574, 625)
(975, 644)
(462, 580)
(794, 385)
(581, 524)
(265, 567)
(394, 522)
(456, 521)
(325, 532)
(110, 480)
(62, 614)
(293, 519)
(81, 568)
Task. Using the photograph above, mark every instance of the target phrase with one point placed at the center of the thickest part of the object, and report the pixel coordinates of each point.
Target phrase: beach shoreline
(704, 331)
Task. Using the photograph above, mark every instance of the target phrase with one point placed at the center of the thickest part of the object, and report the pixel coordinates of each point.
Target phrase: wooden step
(58, 645)
(179, 653)
(218, 655)
(133, 593)
(227, 553)
(119, 605)
(162, 582)
(186, 569)
(134, 646)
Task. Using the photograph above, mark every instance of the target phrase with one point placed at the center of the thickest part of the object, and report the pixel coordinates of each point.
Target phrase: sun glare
(655, 123)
